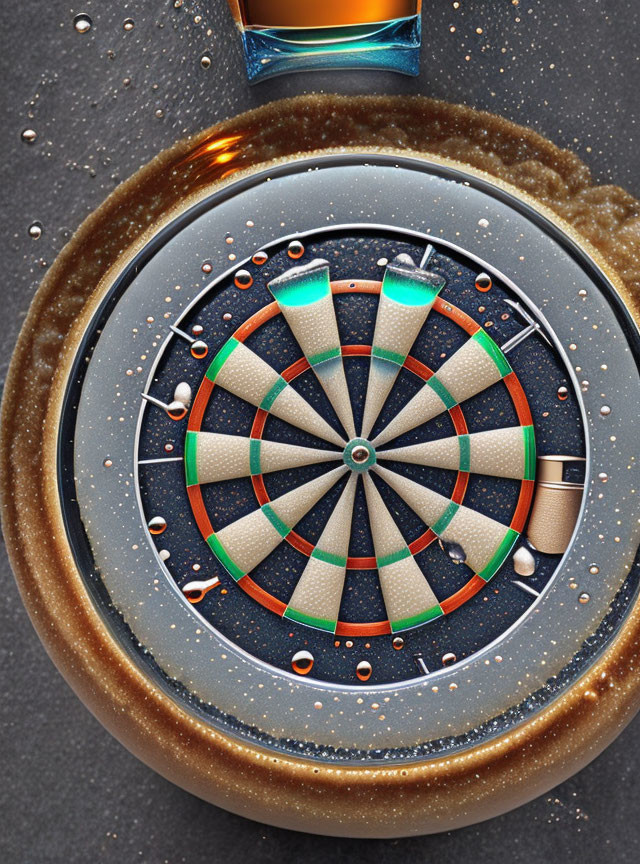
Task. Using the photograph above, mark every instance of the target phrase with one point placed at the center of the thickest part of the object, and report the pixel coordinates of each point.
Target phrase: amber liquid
(327, 13)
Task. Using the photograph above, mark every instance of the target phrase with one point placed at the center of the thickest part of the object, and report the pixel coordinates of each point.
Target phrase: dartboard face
(339, 468)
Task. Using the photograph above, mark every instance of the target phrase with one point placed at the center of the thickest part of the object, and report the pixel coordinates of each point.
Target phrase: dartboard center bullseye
(359, 455)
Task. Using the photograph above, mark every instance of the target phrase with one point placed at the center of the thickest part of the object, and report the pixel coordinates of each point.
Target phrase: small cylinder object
(556, 505)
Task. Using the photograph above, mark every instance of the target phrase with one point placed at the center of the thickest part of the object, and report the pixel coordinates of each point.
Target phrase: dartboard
(350, 443)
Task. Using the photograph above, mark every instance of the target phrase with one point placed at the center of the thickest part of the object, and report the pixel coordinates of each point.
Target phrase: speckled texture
(527, 89)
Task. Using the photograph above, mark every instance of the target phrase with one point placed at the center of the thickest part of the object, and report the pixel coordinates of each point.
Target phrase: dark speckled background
(68, 791)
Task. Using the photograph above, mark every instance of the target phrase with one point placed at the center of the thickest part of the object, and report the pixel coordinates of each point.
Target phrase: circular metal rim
(403, 737)
(248, 780)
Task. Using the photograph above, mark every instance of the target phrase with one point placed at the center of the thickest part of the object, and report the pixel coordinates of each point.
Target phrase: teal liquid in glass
(391, 45)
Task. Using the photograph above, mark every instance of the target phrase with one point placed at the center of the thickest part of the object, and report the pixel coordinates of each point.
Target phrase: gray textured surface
(68, 791)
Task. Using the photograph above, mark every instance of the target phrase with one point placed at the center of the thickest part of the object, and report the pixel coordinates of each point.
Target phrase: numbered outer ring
(372, 801)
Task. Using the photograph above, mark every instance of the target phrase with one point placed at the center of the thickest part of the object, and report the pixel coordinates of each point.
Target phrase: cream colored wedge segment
(292, 506)
(480, 536)
(442, 453)
(336, 534)
(226, 457)
(424, 406)
(246, 375)
(498, 452)
(249, 540)
(314, 325)
(221, 457)
(405, 590)
(429, 505)
(290, 406)
(331, 376)
(318, 593)
(275, 456)
(469, 371)
(387, 538)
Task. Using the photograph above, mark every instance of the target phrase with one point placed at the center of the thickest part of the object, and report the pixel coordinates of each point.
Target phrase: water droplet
(176, 410)
(197, 329)
(183, 393)
(129, 24)
(29, 135)
(364, 670)
(260, 258)
(199, 349)
(605, 410)
(227, 316)
(159, 112)
(317, 705)
(582, 292)
(563, 393)
(603, 477)
(228, 239)
(523, 562)
(584, 386)
(382, 262)
(107, 463)
(449, 658)
(398, 643)
(594, 569)
(168, 447)
(164, 554)
(207, 267)
(483, 282)
(35, 230)
(243, 279)
(573, 347)
(295, 249)
(483, 223)
(82, 23)
(157, 525)
(205, 61)
(584, 597)
(302, 662)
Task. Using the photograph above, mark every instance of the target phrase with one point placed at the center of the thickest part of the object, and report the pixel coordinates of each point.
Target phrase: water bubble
(302, 662)
(159, 112)
(157, 525)
(605, 410)
(243, 279)
(199, 349)
(563, 393)
(35, 230)
(129, 24)
(164, 554)
(584, 597)
(603, 477)
(483, 223)
(295, 249)
(364, 670)
(29, 135)
(82, 23)
(594, 569)
(197, 329)
(205, 61)
(260, 258)
(483, 282)
(449, 658)
(227, 316)
(398, 643)
(207, 267)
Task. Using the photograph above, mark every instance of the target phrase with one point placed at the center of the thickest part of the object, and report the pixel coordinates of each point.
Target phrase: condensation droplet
(29, 135)
(205, 61)
(382, 262)
(107, 463)
(364, 670)
(449, 658)
(207, 267)
(483, 223)
(227, 316)
(260, 258)
(605, 410)
(398, 643)
(523, 562)
(584, 385)
(129, 24)
(584, 597)
(484, 282)
(82, 23)
(302, 662)
(317, 705)
(35, 230)
(582, 292)
(563, 393)
(199, 349)
(594, 569)
(164, 554)
(243, 279)
(197, 329)
(295, 249)
(157, 525)
(603, 477)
